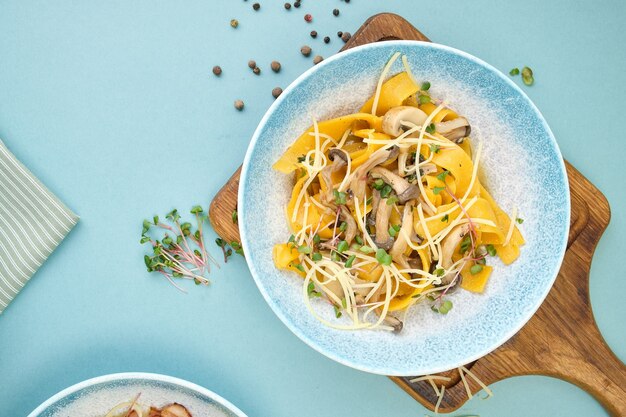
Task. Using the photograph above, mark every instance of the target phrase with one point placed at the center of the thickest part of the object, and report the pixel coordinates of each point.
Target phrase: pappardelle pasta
(387, 209)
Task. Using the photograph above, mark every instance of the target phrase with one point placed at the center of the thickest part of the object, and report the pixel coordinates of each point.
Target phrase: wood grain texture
(561, 339)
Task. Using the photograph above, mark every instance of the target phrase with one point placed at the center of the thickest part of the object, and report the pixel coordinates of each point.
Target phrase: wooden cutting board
(562, 339)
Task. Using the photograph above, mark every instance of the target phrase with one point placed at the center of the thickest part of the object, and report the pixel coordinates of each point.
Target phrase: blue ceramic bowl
(96, 396)
(521, 166)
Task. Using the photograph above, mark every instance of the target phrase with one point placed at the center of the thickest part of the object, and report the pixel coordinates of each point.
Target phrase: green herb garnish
(304, 249)
(437, 190)
(527, 76)
(337, 311)
(430, 128)
(393, 230)
(519, 221)
(425, 86)
(423, 99)
(465, 243)
(475, 269)
(316, 256)
(439, 272)
(342, 246)
(378, 184)
(234, 216)
(445, 218)
(443, 308)
(491, 250)
(366, 249)
(350, 261)
(340, 197)
(392, 200)
(383, 257)
(386, 191)
(514, 71)
(434, 148)
(442, 176)
(310, 289)
(358, 239)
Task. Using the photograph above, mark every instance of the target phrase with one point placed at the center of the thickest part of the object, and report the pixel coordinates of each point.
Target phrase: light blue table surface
(112, 104)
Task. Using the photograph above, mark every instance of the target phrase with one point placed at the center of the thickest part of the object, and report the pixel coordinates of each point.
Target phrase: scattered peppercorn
(314, 34)
(275, 65)
(276, 92)
(217, 70)
(317, 59)
(347, 1)
(287, 6)
(346, 36)
(336, 12)
(326, 39)
(306, 50)
(308, 18)
(256, 70)
(296, 4)
(251, 64)
(339, 34)
(239, 105)
(256, 6)
(234, 23)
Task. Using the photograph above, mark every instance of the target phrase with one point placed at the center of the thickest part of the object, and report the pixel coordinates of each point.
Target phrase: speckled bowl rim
(381, 369)
(125, 376)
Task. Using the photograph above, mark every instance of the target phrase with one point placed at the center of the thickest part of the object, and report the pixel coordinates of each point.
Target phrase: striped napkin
(32, 223)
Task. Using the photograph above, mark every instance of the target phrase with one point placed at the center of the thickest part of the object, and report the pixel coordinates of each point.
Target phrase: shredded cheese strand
(381, 79)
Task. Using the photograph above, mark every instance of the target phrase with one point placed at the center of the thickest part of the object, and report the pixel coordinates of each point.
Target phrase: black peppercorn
(314, 34)
(336, 12)
(217, 70)
(275, 65)
(256, 6)
(239, 104)
(326, 39)
(251, 64)
(296, 4)
(339, 34)
(256, 70)
(317, 59)
(346, 36)
(287, 6)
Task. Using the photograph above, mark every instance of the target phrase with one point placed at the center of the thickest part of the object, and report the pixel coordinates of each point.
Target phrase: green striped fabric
(32, 223)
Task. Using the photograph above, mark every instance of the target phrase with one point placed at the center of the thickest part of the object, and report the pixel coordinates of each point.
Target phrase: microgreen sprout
(430, 129)
(234, 216)
(181, 252)
(442, 307)
(425, 86)
(434, 148)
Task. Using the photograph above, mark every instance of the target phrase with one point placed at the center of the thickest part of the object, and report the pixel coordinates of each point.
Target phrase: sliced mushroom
(455, 129)
(383, 239)
(346, 216)
(392, 120)
(175, 410)
(401, 243)
(448, 245)
(339, 159)
(393, 322)
(405, 190)
(428, 169)
(358, 182)
(371, 219)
